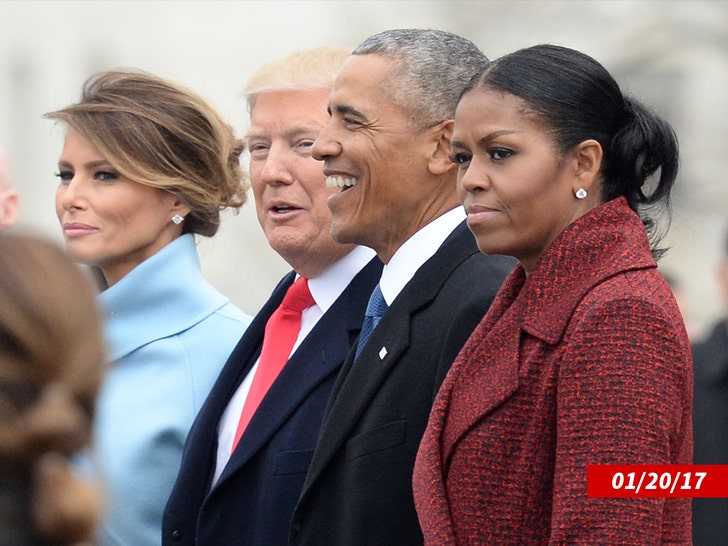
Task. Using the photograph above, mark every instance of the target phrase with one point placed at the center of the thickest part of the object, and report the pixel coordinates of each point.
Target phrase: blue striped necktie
(375, 309)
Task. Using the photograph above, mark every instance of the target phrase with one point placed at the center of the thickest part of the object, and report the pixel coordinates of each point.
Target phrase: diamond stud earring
(580, 193)
(177, 219)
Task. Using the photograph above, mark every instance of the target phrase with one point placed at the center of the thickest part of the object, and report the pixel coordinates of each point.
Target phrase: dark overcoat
(710, 415)
(358, 490)
(252, 501)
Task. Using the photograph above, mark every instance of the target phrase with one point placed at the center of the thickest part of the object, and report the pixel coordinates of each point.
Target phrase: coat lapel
(386, 345)
(490, 383)
(202, 439)
(487, 370)
(320, 355)
(244, 355)
(360, 380)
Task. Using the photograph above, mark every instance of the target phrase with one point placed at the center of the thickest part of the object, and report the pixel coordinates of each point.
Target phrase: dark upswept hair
(162, 135)
(433, 67)
(577, 99)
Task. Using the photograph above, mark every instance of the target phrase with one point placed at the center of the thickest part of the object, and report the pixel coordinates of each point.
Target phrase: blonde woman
(146, 167)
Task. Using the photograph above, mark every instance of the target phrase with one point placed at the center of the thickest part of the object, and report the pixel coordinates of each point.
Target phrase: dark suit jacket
(710, 418)
(359, 487)
(585, 362)
(252, 502)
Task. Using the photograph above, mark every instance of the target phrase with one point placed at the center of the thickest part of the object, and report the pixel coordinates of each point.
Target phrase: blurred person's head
(144, 161)
(9, 201)
(723, 270)
(51, 365)
(386, 146)
(287, 100)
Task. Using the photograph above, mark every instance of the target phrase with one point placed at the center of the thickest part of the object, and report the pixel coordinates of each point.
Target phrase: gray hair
(434, 67)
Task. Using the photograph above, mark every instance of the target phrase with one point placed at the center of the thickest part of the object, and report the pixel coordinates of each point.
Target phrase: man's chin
(342, 235)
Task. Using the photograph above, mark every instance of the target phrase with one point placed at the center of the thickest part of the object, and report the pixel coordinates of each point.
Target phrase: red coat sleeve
(624, 397)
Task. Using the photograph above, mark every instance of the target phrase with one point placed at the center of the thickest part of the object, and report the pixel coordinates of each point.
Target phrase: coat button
(176, 535)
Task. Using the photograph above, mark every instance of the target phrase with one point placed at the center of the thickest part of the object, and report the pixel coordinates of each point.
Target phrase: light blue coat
(169, 334)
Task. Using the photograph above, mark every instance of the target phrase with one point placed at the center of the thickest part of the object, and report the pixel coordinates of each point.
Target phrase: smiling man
(386, 149)
(243, 466)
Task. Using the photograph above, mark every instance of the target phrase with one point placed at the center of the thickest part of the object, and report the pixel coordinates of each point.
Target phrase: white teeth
(340, 181)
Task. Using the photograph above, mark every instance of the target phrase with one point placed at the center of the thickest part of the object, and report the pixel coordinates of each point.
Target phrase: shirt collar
(416, 251)
(328, 286)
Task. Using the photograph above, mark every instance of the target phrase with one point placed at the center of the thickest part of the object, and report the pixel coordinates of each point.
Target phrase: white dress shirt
(325, 289)
(416, 251)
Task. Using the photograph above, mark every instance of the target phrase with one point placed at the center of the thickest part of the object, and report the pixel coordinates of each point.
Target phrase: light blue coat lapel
(170, 283)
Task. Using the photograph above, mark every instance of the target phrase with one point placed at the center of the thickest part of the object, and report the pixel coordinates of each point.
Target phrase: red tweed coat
(585, 362)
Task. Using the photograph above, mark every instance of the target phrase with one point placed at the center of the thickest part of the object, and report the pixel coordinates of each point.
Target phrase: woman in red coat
(583, 357)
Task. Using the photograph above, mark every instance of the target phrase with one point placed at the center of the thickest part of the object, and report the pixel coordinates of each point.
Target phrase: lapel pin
(382, 353)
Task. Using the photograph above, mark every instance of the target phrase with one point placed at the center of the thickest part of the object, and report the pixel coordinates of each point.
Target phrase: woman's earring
(177, 219)
(580, 193)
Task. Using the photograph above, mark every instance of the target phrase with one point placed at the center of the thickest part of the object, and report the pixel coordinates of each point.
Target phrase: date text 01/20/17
(657, 481)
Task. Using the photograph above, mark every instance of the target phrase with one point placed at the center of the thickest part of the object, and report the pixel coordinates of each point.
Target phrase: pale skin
(288, 183)
(403, 176)
(108, 220)
(723, 280)
(518, 190)
(9, 200)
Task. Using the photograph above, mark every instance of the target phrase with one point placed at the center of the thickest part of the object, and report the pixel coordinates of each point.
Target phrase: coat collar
(360, 381)
(606, 241)
(163, 296)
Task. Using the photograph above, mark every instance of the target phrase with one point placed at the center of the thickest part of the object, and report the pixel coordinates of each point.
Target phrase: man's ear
(9, 205)
(587, 157)
(439, 160)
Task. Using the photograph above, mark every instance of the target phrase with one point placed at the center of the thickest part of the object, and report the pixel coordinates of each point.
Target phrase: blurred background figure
(51, 364)
(9, 201)
(710, 417)
(146, 166)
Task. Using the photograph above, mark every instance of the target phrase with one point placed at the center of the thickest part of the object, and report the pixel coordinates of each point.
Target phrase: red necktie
(281, 332)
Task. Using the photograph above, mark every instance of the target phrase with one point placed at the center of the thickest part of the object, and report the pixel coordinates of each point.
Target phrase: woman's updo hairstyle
(52, 359)
(165, 136)
(577, 99)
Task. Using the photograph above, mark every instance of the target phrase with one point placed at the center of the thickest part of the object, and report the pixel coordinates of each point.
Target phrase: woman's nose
(71, 193)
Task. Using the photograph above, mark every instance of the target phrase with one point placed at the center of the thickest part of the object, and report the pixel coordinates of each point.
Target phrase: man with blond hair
(244, 462)
(9, 202)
